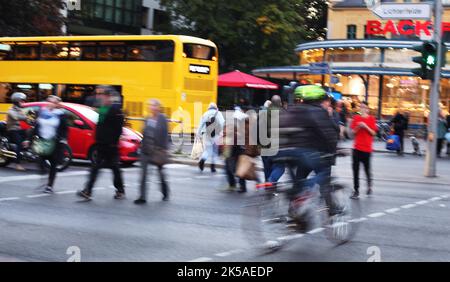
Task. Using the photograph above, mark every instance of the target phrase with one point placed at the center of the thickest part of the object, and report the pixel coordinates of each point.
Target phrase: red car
(82, 122)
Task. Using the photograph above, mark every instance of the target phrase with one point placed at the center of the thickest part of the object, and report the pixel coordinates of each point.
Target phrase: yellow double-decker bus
(180, 71)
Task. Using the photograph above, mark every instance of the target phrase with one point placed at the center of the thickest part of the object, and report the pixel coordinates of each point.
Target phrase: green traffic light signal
(427, 60)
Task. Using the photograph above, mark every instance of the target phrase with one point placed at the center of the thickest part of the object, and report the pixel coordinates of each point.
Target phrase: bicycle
(274, 216)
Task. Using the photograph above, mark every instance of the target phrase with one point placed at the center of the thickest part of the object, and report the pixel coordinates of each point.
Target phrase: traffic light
(427, 60)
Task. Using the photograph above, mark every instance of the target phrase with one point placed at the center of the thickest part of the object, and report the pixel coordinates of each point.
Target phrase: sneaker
(355, 196)
(140, 202)
(84, 194)
(119, 196)
(48, 190)
(165, 198)
(201, 165)
(369, 192)
(213, 168)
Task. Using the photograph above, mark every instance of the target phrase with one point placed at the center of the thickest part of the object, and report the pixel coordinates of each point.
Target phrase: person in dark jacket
(400, 124)
(448, 130)
(51, 124)
(307, 133)
(154, 149)
(108, 132)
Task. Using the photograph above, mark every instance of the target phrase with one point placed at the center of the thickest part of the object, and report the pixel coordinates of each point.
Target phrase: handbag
(43, 147)
(393, 143)
(197, 149)
(246, 168)
(159, 157)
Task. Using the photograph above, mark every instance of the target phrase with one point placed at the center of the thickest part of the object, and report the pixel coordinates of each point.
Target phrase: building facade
(371, 60)
(109, 17)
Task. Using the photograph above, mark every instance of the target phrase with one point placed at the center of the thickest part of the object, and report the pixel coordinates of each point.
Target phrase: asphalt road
(407, 219)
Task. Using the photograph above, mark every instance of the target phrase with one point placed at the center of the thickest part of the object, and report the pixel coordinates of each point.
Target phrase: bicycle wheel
(342, 223)
(265, 221)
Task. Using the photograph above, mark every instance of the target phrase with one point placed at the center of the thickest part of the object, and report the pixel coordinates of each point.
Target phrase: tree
(31, 17)
(250, 34)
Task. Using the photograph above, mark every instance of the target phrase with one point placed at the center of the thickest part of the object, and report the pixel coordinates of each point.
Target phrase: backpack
(210, 128)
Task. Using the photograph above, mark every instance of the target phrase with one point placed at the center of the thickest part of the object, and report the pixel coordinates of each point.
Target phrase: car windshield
(88, 113)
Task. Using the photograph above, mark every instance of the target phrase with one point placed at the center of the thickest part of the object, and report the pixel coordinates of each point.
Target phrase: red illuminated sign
(403, 27)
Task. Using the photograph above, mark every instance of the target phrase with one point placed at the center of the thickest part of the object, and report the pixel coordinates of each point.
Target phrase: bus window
(54, 51)
(198, 51)
(5, 92)
(151, 51)
(26, 51)
(111, 51)
(86, 51)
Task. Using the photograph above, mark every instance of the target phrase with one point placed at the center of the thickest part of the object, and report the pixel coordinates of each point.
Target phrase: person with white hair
(210, 127)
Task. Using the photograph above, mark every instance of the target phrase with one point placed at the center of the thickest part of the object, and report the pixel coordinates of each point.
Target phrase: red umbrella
(243, 80)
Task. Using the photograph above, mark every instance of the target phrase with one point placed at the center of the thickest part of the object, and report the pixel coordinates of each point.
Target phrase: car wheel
(93, 155)
(128, 164)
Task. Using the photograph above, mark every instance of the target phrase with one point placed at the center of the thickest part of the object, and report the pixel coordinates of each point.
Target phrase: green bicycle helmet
(310, 93)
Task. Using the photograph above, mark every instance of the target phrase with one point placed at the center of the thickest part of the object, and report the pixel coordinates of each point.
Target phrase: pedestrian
(51, 127)
(154, 149)
(232, 150)
(15, 132)
(277, 169)
(264, 120)
(448, 130)
(108, 132)
(210, 127)
(364, 128)
(400, 124)
(442, 130)
(249, 149)
(342, 111)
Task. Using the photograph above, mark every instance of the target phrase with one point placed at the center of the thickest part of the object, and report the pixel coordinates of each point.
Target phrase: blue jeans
(307, 161)
(272, 171)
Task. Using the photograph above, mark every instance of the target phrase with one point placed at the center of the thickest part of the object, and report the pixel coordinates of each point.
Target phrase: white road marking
(203, 177)
(408, 206)
(442, 205)
(317, 230)
(9, 199)
(176, 166)
(66, 192)
(445, 196)
(393, 210)
(358, 219)
(226, 254)
(434, 199)
(377, 214)
(290, 237)
(99, 188)
(422, 202)
(38, 196)
(38, 176)
(202, 259)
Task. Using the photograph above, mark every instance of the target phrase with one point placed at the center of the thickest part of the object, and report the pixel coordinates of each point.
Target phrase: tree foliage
(31, 17)
(250, 33)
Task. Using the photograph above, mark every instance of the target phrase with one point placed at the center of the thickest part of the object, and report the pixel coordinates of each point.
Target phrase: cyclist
(15, 131)
(308, 134)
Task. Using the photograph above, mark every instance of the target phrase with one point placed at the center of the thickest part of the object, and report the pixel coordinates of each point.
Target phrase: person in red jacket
(365, 128)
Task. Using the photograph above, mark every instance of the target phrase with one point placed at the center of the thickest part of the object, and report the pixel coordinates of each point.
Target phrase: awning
(242, 80)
